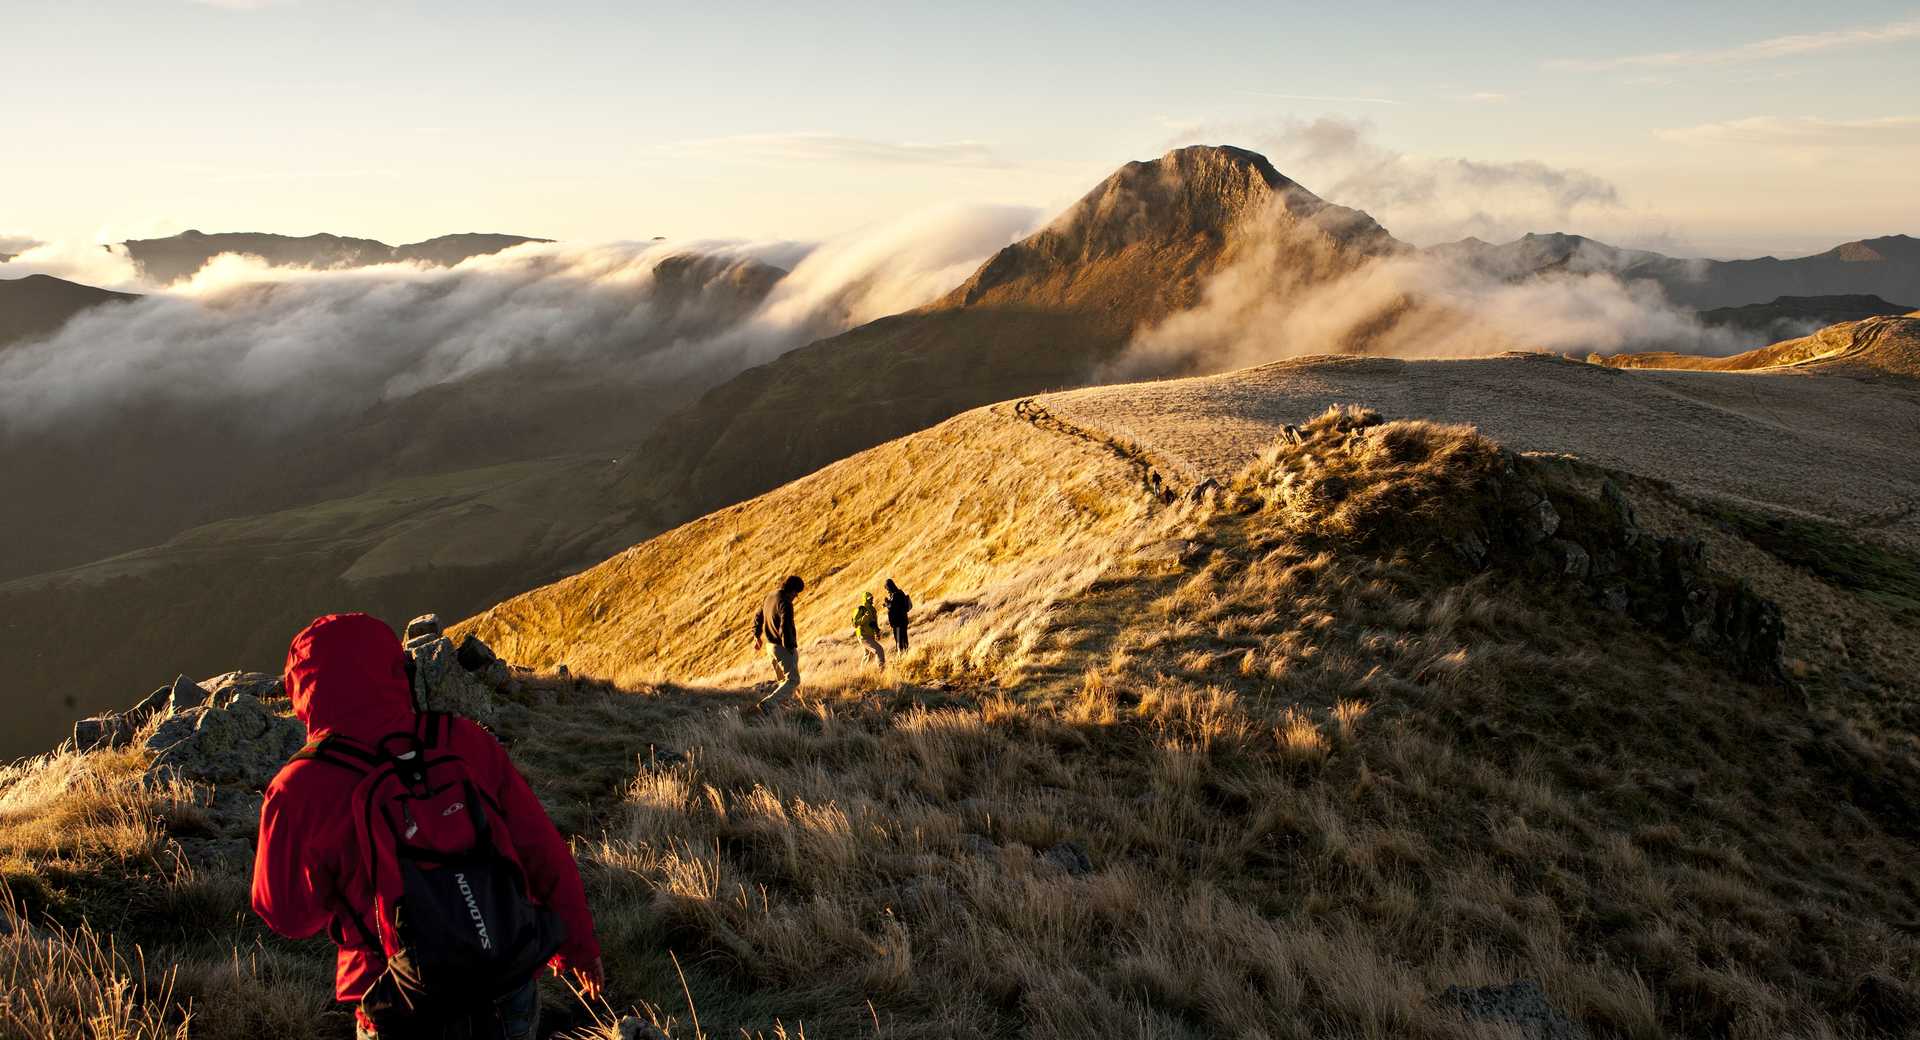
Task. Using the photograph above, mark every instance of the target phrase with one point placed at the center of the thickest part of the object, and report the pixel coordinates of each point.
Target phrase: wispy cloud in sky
(1337, 99)
(836, 148)
(240, 5)
(1757, 50)
(1420, 198)
(1485, 97)
(1801, 131)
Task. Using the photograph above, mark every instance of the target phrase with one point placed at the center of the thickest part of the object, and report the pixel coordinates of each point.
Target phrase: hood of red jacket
(347, 674)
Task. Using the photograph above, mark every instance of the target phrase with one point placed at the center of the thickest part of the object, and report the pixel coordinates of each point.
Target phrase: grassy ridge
(1263, 764)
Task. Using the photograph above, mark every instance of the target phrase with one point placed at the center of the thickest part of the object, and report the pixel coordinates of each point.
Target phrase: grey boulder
(242, 742)
(441, 684)
(424, 625)
(185, 694)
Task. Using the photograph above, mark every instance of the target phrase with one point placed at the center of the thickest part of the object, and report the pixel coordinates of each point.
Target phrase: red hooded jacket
(347, 674)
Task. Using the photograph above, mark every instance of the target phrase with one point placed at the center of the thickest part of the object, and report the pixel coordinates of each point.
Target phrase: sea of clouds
(320, 343)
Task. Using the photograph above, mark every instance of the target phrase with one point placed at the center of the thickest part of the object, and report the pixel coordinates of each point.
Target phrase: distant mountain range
(39, 304)
(1887, 267)
(176, 257)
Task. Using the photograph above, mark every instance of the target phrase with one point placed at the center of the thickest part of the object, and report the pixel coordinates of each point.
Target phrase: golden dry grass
(957, 515)
(1318, 781)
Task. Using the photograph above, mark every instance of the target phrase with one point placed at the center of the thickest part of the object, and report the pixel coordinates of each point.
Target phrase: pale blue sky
(1723, 127)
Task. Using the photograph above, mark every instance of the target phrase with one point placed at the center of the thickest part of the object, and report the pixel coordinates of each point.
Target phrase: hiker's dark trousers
(515, 1016)
(900, 636)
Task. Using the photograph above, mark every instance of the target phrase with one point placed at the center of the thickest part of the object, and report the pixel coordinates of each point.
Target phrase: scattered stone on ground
(117, 729)
(111, 730)
(632, 1028)
(186, 694)
(1522, 1003)
(1070, 857)
(424, 625)
(223, 688)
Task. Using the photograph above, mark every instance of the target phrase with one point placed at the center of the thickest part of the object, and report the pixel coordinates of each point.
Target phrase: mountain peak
(1191, 200)
(1204, 189)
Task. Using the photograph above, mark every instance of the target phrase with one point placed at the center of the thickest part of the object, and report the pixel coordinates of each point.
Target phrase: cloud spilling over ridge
(101, 266)
(1421, 199)
(1411, 304)
(290, 345)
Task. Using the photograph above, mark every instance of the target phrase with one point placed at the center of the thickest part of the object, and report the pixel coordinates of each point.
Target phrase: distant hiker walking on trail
(898, 605)
(866, 626)
(388, 816)
(773, 631)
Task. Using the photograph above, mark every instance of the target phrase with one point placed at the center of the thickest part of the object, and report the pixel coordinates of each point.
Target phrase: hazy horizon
(1716, 131)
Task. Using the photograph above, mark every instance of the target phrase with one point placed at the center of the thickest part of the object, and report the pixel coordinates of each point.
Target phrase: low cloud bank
(105, 267)
(1413, 304)
(292, 345)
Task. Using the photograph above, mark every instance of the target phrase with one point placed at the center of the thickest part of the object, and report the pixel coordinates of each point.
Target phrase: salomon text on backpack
(450, 908)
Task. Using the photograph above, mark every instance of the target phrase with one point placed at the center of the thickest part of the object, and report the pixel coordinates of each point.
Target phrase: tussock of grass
(56, 982)
(110, 931)
(1359, 478)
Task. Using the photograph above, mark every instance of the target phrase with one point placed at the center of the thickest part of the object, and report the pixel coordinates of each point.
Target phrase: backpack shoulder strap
(433, 728)
(336, 751)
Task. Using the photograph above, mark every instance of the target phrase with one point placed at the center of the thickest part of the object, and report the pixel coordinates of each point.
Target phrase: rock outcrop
(235, 729)
(1448, 494)
(460, 680)
(1598, 547)
(1661, 581)
(424, 625)
(240, 741)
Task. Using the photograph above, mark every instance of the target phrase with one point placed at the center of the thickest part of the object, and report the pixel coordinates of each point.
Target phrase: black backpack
(450, 909)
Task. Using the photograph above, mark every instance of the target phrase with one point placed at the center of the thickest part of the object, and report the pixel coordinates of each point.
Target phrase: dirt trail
(1154, 472)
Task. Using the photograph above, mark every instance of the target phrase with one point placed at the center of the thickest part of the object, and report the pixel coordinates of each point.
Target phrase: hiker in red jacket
(324, 862)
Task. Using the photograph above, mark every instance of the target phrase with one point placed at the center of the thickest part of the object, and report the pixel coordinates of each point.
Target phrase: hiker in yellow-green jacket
(866, 625)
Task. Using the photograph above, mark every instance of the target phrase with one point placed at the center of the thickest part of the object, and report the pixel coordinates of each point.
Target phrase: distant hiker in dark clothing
(866, 627)
(897, 607)
(773, 631)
